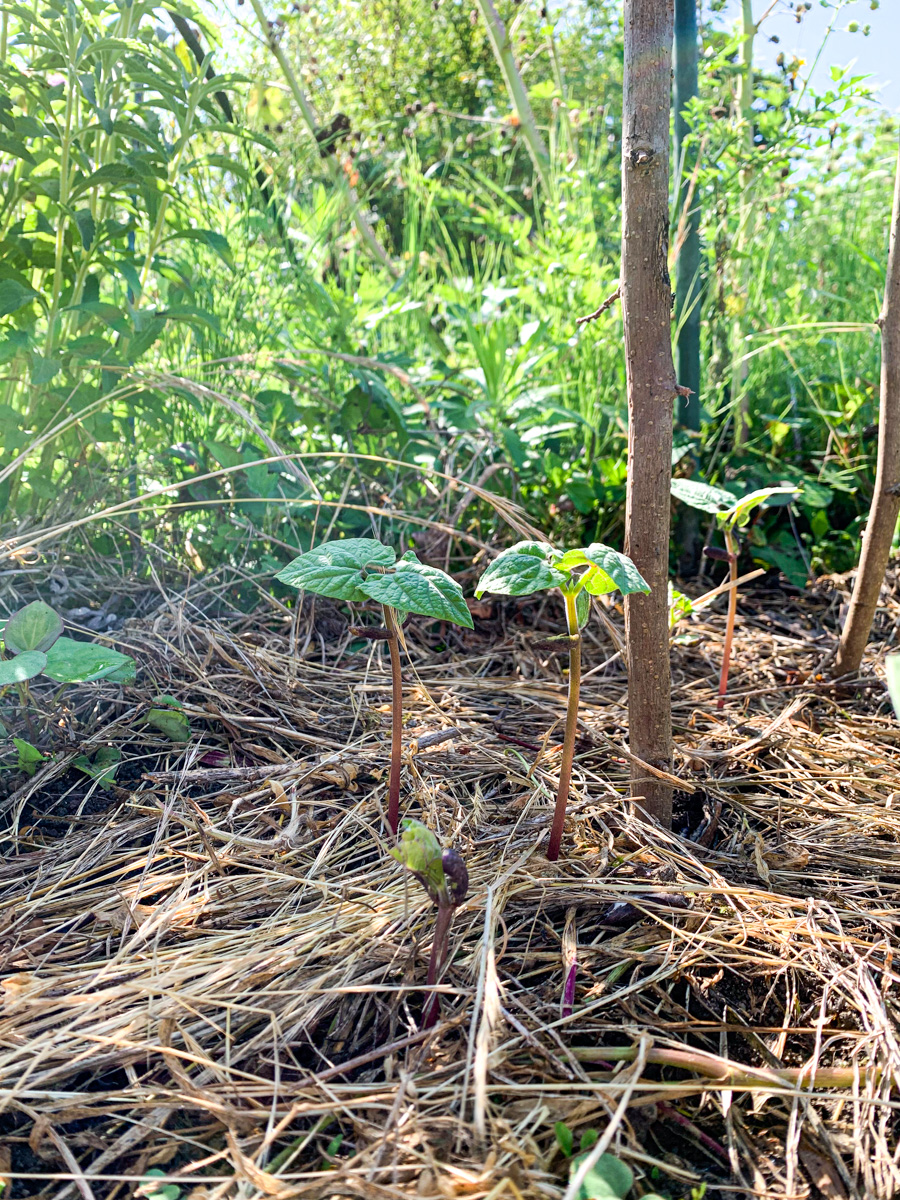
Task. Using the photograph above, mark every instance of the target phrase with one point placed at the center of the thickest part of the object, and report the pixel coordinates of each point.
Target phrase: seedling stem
(731, 544)
(565, 772)
(390, 623)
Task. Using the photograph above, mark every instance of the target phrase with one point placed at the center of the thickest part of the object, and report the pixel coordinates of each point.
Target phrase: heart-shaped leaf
(613, 570)
(608, 1179)
(171, 724)
(704, 496)
(69, 661)
(34, 627)
(24, 666)
(29, 756)
(414, 587)
(336, 569)
(522, 569)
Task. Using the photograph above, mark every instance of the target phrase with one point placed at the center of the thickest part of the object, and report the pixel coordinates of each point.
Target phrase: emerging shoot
(359, 569)
(443, 875)
(732, 513)
(579, 574)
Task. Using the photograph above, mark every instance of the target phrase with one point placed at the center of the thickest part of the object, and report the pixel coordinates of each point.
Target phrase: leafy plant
(444, 876)
(168, 717)
(33, 636)
(594, 570)
(732, 513)
(360, 569)
(102, 767)
(608, 1178)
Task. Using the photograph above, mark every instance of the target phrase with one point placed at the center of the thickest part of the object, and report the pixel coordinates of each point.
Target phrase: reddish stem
(732, 613)
(565, 771)
(442, 924)
(390, 622)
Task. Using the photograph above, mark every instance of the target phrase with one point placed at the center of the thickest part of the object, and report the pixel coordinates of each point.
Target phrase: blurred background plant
(185, 297)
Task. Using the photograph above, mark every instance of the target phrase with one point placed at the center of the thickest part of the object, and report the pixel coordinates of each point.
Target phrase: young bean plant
(579, 574)
(732, 513)
(444, 876)
(359, 569)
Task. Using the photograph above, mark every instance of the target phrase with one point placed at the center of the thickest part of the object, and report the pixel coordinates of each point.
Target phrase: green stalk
(309, 117)
(565, 772)
(739, 368)
(390, 624)
(515, 86)
(732, 613)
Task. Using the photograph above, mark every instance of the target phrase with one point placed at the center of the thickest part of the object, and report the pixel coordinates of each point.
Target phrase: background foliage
(183, 293)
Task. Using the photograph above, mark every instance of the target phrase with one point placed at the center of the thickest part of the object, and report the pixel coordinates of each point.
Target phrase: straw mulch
(213, 970)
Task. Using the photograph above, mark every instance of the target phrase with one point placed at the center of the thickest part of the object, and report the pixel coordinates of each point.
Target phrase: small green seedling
(731, 513)
(579, 574)
(443, 875)
(34, 645)
(168, 717)
(359, 569)
(604, 1178)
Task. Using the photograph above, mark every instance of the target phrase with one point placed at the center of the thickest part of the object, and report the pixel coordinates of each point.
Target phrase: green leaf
(583, 608)
(522, 569)
(103, 767)
(565, 1139)
(613, 570)
(21, 668)
(29, 756)
(69, 661)
(414, 587)
(34, 627)
(110, 314)
(171, 724)
(588, 1139)
(704, 496)
(13, 296)
(740, 512)
(419, 851)
(84, 219)
(608, 1179)
(336, 569)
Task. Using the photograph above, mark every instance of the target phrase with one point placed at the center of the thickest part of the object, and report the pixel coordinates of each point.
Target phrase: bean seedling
(731, 513)
(33, 645)
(359, 569)
(443, 875)
(579, 574)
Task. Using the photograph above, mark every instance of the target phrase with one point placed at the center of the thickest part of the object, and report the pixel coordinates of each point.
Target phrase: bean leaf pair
(358, 569)
(593, 570)
(536, 566)
(731, 511)
(33, 635)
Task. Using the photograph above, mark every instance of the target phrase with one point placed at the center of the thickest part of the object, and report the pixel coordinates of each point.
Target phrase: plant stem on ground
(565, 772)
(732, 613)
(390, 623)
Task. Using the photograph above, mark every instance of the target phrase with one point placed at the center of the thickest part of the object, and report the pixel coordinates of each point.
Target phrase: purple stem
(569, 990)
(442, 924)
